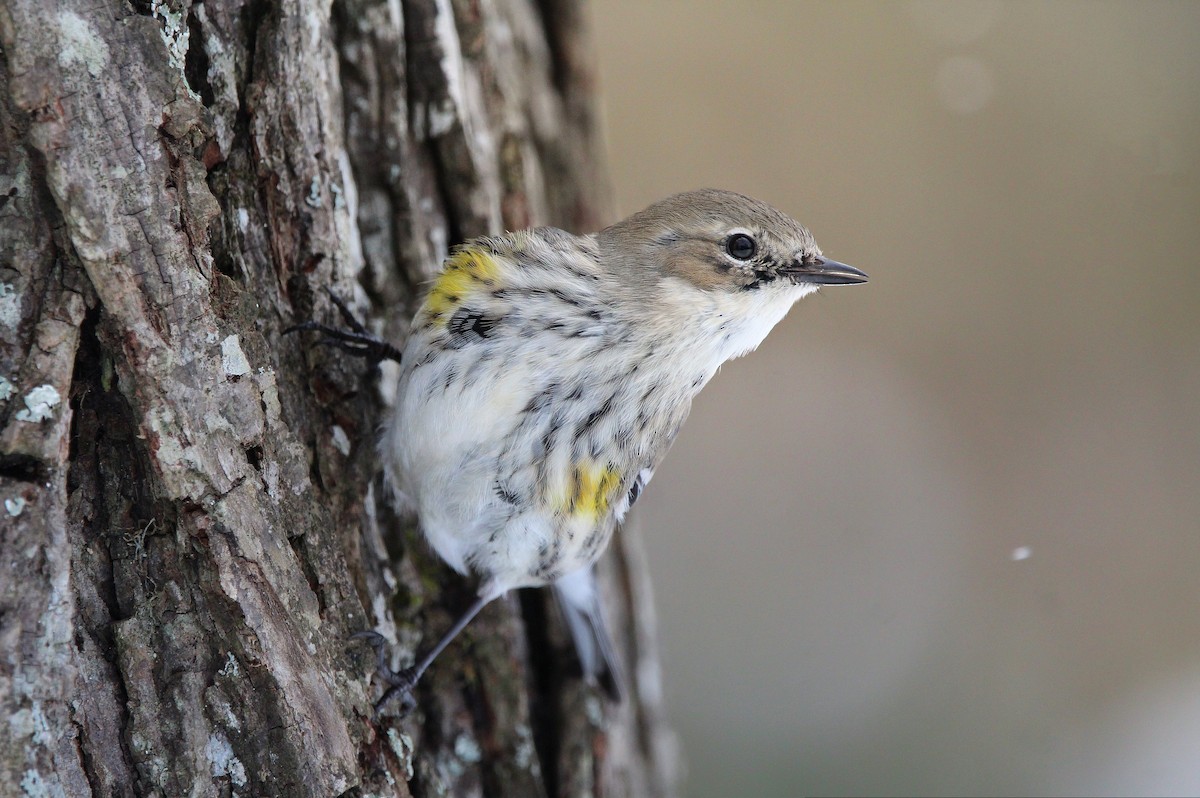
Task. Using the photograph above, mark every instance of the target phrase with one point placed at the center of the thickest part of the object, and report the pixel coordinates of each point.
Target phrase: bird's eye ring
(740, 246)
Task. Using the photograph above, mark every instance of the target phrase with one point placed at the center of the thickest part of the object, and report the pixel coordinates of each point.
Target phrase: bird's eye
(740, 246)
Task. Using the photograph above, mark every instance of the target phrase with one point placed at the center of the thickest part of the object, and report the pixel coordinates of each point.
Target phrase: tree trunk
(193, 524)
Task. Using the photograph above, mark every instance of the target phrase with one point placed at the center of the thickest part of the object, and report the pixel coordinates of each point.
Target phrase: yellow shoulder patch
(466, 270)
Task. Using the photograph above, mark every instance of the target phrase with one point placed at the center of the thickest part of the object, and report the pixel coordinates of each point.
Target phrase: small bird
(546, 375)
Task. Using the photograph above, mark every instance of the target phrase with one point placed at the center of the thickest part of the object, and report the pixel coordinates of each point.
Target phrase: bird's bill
(825, 272)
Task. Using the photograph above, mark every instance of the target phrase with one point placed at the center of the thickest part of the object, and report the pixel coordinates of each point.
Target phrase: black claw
(358, 341)
(377, 642)
(400, 683)
(347, 315)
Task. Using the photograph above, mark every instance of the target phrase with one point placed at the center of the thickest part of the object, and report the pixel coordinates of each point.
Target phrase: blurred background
(941, 533)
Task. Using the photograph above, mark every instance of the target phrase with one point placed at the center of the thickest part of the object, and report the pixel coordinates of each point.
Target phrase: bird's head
(722, 242)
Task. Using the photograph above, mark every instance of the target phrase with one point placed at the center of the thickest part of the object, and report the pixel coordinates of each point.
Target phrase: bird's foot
(358, 341)
(400, 683)
(401, 686)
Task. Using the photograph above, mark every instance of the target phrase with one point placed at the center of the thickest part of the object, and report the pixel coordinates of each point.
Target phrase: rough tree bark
(192, 521)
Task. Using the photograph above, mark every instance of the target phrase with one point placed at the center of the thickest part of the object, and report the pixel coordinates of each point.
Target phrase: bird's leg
(357, 340)
(402, 682)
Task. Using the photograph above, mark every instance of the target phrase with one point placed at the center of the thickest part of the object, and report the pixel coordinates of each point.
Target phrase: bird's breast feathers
(535, 400)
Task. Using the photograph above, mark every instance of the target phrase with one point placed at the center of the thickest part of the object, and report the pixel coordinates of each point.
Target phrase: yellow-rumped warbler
(546, 375)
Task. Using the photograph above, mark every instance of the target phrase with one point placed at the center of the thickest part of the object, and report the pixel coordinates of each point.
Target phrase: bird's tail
(579, 597)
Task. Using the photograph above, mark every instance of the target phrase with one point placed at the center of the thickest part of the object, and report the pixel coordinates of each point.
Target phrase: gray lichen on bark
(193, 530)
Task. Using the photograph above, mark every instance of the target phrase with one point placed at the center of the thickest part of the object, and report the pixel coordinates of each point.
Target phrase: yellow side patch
(591, 490)
(465, 271)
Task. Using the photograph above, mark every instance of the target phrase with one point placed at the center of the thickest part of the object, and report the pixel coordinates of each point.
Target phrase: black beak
(824, 272)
